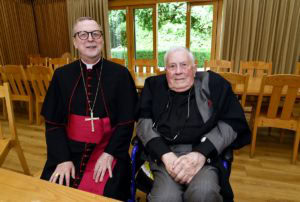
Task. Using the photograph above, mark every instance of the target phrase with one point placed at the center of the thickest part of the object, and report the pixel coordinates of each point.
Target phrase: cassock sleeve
(54, 112)
(150, 138)
(127, 98)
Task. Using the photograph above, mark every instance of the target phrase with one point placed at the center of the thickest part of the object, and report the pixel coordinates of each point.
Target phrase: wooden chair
(4, 111)
(118, 61)
(55, 63)
(237, 79)
(276, 115)
(40, 78)
(255, 68)
(297, 69)
(6, 144)
(218, 65)
(37, 60)
(18, 82)
(67, 55)
(146, 66)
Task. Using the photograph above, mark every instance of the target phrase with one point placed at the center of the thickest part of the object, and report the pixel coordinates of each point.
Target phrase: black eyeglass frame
(88, 34)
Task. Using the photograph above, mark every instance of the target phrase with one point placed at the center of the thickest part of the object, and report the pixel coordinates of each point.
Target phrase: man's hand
(168, 159)
(63, 170)
(187, 166)
(104, 163)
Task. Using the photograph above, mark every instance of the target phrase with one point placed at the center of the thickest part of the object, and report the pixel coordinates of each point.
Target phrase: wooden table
(18, 187)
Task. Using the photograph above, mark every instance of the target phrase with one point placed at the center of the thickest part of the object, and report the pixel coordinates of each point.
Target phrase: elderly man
(186, 121)
(89, 114)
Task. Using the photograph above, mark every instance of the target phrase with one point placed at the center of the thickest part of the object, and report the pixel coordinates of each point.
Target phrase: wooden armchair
(6, 144)
(255, 68)
(218, 65)
(18, 82)
(118, 61)
(55, 63)
(235, 80)
(40, 78)
(274, 115)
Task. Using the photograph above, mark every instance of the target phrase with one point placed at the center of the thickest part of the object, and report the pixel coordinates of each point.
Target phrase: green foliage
(200, 56)
(171, 31)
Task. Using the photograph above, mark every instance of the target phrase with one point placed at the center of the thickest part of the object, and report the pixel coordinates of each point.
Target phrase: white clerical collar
(90, 66)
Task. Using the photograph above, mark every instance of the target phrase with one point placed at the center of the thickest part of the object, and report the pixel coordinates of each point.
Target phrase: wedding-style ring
(56, 174)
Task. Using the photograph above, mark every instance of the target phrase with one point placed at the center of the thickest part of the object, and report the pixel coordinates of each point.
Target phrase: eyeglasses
(84, 35)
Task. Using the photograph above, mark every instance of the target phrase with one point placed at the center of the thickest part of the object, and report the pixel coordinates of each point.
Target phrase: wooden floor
(268, 177)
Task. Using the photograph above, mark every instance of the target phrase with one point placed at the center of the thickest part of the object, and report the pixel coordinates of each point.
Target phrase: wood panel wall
(18, 33)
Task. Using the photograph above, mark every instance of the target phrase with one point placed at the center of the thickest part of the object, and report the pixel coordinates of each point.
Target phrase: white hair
(177, 49)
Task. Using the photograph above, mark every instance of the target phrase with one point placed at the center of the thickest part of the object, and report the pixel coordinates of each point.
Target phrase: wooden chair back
(37, 60)
(55, 63)
(218, 65)
(297, 69)
(118, 61)
(278, 115)
(67, 55)
(40, 78)
(237, 79)
(19, 86)
(6, 144)
(146, 66)
(255, 68)
(278, 82)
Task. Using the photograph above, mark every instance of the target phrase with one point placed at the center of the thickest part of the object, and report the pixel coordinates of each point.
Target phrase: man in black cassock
(89, 114)
(187, 119)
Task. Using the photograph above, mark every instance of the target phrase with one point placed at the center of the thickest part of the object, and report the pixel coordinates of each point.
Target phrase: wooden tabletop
(18, 187)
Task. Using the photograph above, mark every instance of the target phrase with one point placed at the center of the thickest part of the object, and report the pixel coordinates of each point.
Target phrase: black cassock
(116, 101)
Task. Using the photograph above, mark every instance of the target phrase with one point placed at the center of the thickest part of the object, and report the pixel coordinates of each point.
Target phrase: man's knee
(165, 197)
(204, 186)
(207, 191)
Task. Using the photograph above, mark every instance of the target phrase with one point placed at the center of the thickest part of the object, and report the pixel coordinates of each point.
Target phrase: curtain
(264, 30)
(18, 36)
(97, 9)
(52, 27)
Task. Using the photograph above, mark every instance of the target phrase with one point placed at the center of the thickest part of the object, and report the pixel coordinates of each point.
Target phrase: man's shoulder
(157, 79)
(68, 68)
(217, 78)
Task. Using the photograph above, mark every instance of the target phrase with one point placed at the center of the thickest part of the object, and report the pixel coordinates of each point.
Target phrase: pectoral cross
(92, 120)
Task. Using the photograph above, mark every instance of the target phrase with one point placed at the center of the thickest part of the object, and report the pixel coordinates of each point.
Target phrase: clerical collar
(90, 66)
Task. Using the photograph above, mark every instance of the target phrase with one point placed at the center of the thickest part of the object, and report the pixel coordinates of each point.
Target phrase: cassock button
(89, 77)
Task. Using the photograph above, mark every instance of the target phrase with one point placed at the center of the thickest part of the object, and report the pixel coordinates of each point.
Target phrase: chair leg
(281, 135)
(22, 158)
(253, 141)
(4, 109)
(296, 145)
(37, 113)
(30, 111)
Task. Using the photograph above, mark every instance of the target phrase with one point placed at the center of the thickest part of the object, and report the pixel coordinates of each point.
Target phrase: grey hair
(80, 19)
(177, 49)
